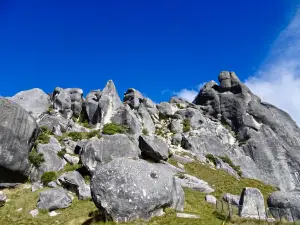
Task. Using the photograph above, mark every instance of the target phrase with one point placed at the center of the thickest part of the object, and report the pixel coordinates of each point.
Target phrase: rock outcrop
(285, 205)
(52, 199)
(18, 131)
(34, 101)
(267, 135)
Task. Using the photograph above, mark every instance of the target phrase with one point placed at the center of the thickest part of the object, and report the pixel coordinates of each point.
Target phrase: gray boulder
(252, 204)
(56, 124)
(267, 135)
(285, 205)
(73, 160)
(74, 182)
(92, 107)
(176, 126)
(232, 199)
(133, 98)
(165, 109)
(127, 189)
(225, 167)
(195, 117)
(108, 147)
(2, 198)
(146, 119)
(52, 199)
(18, 132)
(109, 102)
(34, 101)
(194, 183)
(125, 116)
(52, 162)
(153, 148)
(176, 139)
(68, 101)
(150, 106)
(211, 199)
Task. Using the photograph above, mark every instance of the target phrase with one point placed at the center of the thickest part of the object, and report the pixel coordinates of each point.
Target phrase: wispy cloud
(189, 94)
(278, 79)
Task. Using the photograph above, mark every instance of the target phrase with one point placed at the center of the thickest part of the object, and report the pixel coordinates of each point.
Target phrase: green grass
(84, 212)
(112, 128)
(186, 125)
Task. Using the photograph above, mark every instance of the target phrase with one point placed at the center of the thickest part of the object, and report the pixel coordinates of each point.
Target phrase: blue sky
(158, 47)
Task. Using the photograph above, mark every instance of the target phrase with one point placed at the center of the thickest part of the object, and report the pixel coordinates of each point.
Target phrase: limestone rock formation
(127, 189)
(34, 101)
(18, 131)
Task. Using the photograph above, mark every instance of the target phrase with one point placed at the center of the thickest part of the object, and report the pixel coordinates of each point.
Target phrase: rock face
(68, 101)
(34, 101)
(127, 189)
(108, 147)
(153, 148)
(285, 205)
(52, 161)
(133, 98)
(92, 108)
(109, 102)
(52, 199)
(267, 135)
(252, 204)
(18, 131)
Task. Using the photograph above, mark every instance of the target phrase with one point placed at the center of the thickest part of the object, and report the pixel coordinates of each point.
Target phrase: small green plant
(145, 132)
(179, 106)
(227, 160)
(36, 158)
(45, 130)
(50, 109)
(94, 133)
(49, 176)
(112, 128)
(186, 125)
(211, 158)
(61, 153)
(68, 167)
(75, 136)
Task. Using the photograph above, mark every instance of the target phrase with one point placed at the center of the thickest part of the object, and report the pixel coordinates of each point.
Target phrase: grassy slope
(81, 212)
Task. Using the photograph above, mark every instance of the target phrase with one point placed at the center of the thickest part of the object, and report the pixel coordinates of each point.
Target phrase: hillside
(69, 159)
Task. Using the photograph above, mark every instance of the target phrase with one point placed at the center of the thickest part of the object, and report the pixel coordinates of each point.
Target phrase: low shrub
(61, 153)
(186, 125)
(75, 136)
(47, 177)
(112, 128)
(227, 160)
(94, 133)
(36, 158)
(211, 158)
(145, 131)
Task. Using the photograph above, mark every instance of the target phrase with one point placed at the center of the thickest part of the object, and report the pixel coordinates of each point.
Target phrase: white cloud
(278, 79)
(188, 95)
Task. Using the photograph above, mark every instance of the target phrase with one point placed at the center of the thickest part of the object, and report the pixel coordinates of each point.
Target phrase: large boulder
(125, 116)
(108, 147)
(154, 148)
(267, 135)
(285, 205)
(68, 101)
(35, 101)
(252, 204)
(127, 189)
(109, 102)
(52, 199)
(146, 119)
(165, 109)
(74, 182)
(194, 116)
(56, 124)
(18, 131)
(133, 98)
(194, 183)
(92, 107)
(52, 162)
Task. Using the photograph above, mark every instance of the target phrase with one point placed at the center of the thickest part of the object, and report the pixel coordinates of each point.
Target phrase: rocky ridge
(134, 152)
